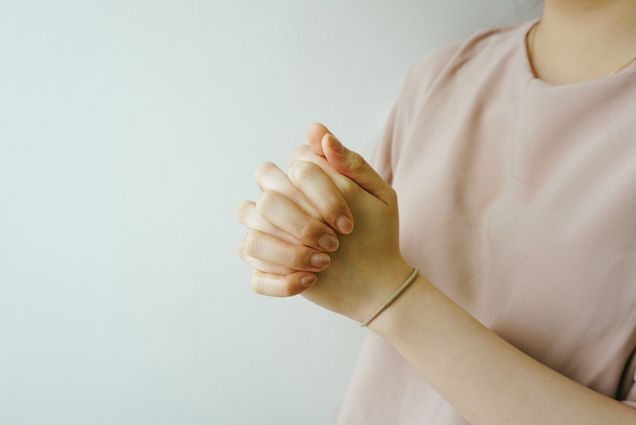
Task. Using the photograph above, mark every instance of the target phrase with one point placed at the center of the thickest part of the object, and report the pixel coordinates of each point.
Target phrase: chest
(532, 231)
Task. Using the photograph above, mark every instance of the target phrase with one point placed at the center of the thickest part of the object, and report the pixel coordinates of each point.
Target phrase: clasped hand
(327, 229)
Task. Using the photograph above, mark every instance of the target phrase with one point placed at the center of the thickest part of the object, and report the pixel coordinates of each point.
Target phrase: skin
(580, 40)
(576, 40)
(366, 254)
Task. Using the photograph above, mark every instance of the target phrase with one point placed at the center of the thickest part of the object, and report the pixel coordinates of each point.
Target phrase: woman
(512, 153)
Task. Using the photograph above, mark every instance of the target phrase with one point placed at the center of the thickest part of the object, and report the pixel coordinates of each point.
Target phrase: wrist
(408, 307)
(379, 284)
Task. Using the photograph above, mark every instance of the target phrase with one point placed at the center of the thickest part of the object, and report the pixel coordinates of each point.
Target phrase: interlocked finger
(261, 265)
(273, 250)
(281, 286)
(269, 177)
(323, 193)
(247, 214)
(283, 213)
(305, 153)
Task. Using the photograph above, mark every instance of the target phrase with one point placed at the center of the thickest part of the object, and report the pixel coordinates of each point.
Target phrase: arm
(488, 380)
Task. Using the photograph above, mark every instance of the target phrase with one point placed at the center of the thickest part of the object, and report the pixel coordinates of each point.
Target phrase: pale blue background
(129, 131)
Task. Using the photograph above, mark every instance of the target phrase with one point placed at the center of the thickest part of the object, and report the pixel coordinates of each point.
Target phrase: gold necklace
(624, 66)
(532, 31)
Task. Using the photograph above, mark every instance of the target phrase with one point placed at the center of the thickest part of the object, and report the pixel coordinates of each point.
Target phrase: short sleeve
(382, 157)
(419, 80)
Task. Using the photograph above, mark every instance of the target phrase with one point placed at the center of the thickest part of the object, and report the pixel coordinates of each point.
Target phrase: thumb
(314, 136)
(354, 166)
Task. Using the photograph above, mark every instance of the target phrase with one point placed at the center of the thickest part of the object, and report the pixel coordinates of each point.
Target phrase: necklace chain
(624, 66)
(632, 60)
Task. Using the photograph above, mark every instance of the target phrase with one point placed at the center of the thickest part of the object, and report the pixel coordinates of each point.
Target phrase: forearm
(488, 380)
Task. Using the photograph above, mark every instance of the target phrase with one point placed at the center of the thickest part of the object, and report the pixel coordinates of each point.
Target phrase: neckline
(533, 80)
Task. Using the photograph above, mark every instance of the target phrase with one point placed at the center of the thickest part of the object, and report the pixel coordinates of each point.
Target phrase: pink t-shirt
(517, 199)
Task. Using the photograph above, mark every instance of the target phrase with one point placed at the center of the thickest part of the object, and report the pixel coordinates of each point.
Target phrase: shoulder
(474, 54)
(484, 44)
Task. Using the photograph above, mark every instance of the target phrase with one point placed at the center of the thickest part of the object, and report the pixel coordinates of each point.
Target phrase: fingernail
(328, 242)
(334, 143)
(307, 280)
(344, 224)
(319, 260)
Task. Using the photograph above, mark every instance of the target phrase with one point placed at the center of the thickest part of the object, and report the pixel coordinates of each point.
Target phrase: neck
(583, 39)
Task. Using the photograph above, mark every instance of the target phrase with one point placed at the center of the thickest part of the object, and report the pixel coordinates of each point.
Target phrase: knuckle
(242, 210)
(355, 161)
(263, 170)
(301, 151)
(298, 153)
(334, 208)
(347, 188)
(309, 230)
(299, 258)
(253, 245)
(290, 166)
(303, 170)
(267, 202)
